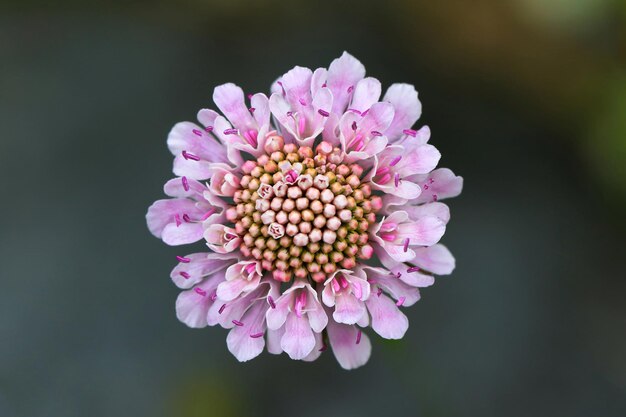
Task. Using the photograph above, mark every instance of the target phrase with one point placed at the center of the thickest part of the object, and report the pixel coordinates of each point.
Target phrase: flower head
(319, 226)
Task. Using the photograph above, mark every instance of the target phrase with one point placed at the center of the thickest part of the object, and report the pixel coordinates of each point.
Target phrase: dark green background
(527, 102)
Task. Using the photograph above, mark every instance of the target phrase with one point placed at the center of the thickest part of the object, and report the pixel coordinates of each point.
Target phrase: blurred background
(526, 100)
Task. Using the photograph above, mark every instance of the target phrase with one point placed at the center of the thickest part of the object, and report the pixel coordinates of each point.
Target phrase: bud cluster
(303, 212)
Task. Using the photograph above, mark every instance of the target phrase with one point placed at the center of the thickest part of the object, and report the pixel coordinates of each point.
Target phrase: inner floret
(303, 212)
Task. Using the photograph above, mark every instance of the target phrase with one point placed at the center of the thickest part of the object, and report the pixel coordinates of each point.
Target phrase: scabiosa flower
(321, 207)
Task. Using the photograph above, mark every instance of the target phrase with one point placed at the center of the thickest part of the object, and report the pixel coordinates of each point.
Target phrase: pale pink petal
(317, 350)
(230, 100)
(439, 184)
(398, 289)
(189, 137)
(436, 259)
(425, 231)
(387, 320)
(276, 316)
(240, 341)
(343, 341)
(366, 93)
(273, 340)
(193, 305)
(315, 312)
(182, 234)
(420, 160)
(187, 274)
(343, 75)
(163, 212)
(348, 309)
(298, 340)
(436, 209)
(408, 109)
(186, 167)
(176, 188)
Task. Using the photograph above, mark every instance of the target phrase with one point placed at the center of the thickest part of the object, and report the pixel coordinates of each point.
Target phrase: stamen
(237, 323)
(214, 296)
(200, 291)
(249, 96)
(209, 129)
(302, 101)
(413, 269)
(221, 310)
(336, 286)
(184, 274)
(256, 335)
(354, 127)
(358, 337)
(183, 259)
(350, 89)
(301, 125)
(197, 132)
(400, 301)
(323, 348)
(271, 301)
(395, 161)
(406, 244)
(434, 197)
(208, 214)
(177, 218)
(376, 133)
(355, 111)
(186, 218)
(189, 155)
(323, 113)
(382, 171)
(185, 183)
(251, 137)
(379, 292)
(251, 110)
(250, 268)
(396, 179)
(231, 132)
(410, 132)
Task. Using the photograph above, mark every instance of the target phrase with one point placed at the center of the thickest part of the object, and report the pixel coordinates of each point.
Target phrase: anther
(189, 155)
(183, 259)
(184, 274)
(323, 113)
(256, 335)
(197, 132)
(185, 183)
(237, 323)
(410, 132)
(200, 291)
(231, 131)
(406, 244)
(400, 301)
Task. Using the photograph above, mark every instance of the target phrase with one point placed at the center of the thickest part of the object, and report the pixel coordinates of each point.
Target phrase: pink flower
(291, 211)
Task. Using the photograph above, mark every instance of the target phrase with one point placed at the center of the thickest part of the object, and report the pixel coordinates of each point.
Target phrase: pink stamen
(358, 337)
(324, 85)
(221, 310)
(251, 110)
(183, 259)
(379, 292)
(388, 237)
(281, 86)
(365, 112)
(388, 226)
(355, 111)
(271, 301)
(323, 348)
(302, 101)
(184, 274)
(200, 291)
(177, 218)
(426, 187)
(430, 180)
(231, 132)
(209, 129)
(189, 155)
(214, 296)
(323, 113)
(186, 218)
(396, 179)
(400, 301)
(354, 127)
(406, 244)
(237, 323)
(350, 89)
(382, 171)
(410, 132)
(300, 303)
(249, 96)
(208, 214)
(395, 161)
(185, 183)
(197, 132)
(385, 179)
(344, 282)
(336, 286)
(250, 268)
(434, 197)
(256, 335)
(301, 125)
(251, 137)
(413, 269)
(359, 145)
(376, 133)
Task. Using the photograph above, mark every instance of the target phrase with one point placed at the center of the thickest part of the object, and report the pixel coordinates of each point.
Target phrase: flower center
(303, 212)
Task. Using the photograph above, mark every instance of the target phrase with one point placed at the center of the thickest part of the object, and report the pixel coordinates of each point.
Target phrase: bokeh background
(526, 99)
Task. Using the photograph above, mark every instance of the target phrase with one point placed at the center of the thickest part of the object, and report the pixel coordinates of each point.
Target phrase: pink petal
(239, 342)
(193, 305)
(317, 350)
(229, 99)
(315, 312)
(182, 138)
(197, 170)
(421, 160)
(273, 340)
(201, 265)
(298, 340)
(439, 210)
(343, 73)
(426, 231)
(390, 282)
(175, 188)
(407, 109)
(182, 234)
(442, 183)
(387, 320)
(436, 259)
(348, 309)
(349, 354)
(366, 93)
(163, 212)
